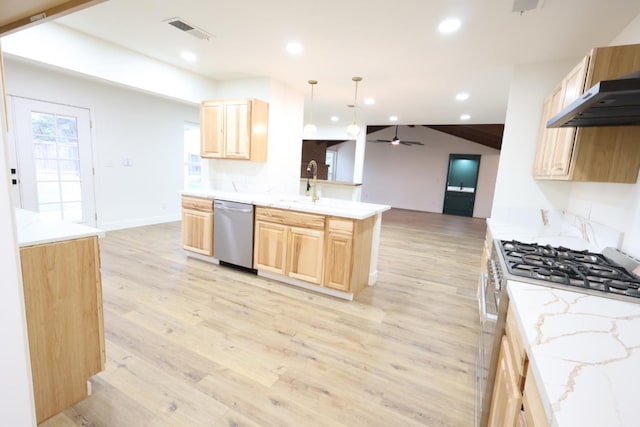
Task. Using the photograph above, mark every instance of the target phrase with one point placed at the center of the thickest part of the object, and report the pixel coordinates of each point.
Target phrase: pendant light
(353, 129)
(311, 128)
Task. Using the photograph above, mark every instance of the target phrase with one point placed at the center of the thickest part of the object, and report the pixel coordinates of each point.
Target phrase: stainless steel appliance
(608, 103)
(233, 233)
(608, 275)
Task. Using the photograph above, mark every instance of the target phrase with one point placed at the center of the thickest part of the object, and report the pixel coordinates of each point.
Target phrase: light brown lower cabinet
(327, 251)
(515, 400)
(197, 225)
(306, 249)
(289, 243)
(507, 398)
(270, 247)
(63, 304)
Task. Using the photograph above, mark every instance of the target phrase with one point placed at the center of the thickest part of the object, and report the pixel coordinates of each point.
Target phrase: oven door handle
(483, 299)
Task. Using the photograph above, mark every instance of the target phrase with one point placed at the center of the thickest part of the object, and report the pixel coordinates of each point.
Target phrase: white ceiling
(411, 69)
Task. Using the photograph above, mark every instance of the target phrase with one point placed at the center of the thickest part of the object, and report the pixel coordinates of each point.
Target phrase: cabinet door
(546, 136)
(63, 306)
(306, 252)
(507, 399)
(534, 412)
(237, 129)
(270, 247)
(212, 129)
(197, 231)
(338, 261)
(572, 88)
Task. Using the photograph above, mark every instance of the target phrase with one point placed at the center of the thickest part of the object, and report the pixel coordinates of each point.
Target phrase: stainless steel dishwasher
(233, 233)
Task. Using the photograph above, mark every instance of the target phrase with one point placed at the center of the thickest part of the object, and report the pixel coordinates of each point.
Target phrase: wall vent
(182, 25)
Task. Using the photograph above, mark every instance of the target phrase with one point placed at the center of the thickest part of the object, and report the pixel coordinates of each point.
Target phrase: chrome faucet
(314, 190)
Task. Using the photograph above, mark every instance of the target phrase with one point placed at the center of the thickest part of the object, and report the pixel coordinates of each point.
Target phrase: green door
(462, 179)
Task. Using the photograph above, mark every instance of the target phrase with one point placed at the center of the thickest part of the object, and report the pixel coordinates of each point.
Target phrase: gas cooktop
(572, 268)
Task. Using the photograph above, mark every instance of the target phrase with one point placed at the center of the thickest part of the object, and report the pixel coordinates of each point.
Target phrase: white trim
(17, 404)
(373, 278)
(305, 285)
(137, 222)
(201, 257)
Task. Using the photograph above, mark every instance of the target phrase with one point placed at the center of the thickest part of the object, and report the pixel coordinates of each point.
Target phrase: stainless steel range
(610, 274)
(593, 273)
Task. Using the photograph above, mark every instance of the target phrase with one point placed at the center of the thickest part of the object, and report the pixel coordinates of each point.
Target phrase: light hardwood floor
(194, 344)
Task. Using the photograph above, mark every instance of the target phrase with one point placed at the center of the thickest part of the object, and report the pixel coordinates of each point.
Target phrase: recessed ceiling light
(369, 101)
(465, 117)
(462, 96)
(393, 118)
(294, 48)
(449, 26)
(334, 118)
(188, 56)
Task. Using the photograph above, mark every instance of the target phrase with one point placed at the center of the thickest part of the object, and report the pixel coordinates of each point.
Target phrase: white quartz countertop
(33, 229)
(584, 352)
(325, 206)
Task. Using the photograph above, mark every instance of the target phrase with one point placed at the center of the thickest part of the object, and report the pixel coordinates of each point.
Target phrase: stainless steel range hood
(608, 103)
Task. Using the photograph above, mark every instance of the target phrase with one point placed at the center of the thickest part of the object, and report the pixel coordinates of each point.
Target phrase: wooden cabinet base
(63, 303)
(305, 285)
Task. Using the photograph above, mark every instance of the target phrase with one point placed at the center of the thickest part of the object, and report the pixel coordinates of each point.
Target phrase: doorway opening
(462, 180)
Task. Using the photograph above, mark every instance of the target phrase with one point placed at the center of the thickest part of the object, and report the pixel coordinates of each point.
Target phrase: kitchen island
(63, 303)
(584, 355)
(328, 246)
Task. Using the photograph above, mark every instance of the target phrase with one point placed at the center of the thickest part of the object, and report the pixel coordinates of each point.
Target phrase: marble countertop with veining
(34, 229)
(584, 352)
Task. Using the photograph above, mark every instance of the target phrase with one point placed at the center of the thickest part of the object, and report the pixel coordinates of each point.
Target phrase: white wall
(414, 177)
(281, 172)
(60, 46)
(126, 124)
(16, 390)
(345, 160)
(614, 205)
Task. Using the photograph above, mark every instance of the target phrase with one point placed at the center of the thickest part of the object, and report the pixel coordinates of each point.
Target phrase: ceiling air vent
(522, 6)
(196, 32)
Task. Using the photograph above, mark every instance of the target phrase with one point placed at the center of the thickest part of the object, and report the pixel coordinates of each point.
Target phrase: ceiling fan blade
(411, 143)
(379, 140)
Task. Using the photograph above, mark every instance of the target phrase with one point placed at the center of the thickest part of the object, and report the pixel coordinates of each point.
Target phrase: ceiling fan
(397, 141)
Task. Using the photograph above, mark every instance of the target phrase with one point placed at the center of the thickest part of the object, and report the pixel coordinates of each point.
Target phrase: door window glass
(56, 154)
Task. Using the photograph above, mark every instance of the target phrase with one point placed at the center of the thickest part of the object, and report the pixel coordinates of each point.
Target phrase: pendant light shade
(310, 127)
(353, 129)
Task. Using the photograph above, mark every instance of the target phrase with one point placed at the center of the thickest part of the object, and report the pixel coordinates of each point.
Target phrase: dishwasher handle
(223, 206)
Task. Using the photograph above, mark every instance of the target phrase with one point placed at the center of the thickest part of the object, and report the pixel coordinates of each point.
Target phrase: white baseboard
(305, 285)
(137, 222)
(373, 278)
(201, 257)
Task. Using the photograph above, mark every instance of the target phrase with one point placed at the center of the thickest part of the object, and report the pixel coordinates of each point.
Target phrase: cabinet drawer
(291, 218)
(341, 225)
(197, 204)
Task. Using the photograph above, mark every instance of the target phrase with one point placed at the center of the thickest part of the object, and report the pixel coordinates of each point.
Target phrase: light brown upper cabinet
(16, 15)
(234, 129)
(598, 154)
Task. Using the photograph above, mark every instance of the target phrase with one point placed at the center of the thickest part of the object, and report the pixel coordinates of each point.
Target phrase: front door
(462, 179)
(54, 160)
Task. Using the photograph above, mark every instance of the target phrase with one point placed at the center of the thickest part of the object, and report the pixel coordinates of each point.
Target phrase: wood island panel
(63, 304)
